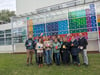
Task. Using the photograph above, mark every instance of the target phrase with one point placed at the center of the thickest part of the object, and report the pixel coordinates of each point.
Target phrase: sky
(8, 4)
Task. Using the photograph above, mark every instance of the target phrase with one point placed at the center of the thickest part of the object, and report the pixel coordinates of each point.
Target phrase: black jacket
(74, 49)
(83, 42)
(67, 45)
(32, 46)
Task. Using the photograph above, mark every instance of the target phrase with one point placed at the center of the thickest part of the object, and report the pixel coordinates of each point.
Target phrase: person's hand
(78, 46)
(41, 48)
(56, 47)
(62, 51)
(72, 44)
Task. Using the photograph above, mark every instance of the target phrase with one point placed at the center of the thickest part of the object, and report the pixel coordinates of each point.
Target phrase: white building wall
(6, 49)
(26, 6)
(5, 26)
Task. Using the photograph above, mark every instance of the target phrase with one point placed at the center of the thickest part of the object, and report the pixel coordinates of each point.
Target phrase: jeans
(57, 58)
(48, 56)
(40, 60)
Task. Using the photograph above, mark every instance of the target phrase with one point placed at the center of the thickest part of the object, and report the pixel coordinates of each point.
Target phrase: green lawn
(15, 64)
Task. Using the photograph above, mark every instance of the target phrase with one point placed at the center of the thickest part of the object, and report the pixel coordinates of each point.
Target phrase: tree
(5, 15)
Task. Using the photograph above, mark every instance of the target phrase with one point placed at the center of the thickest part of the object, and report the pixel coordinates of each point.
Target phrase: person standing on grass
(48, 51)
(36, 40)
(30, 46)
(44, 53)
(61, 42)
(69, 38)
(39, 48)
(53, 38)
(65, 52)
(74, 51)
(56, 51)
(83, 46)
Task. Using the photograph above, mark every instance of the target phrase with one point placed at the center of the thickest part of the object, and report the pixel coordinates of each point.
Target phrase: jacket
(74, 48)
(83, 42)
(54, 47)
(67, 47)
(30, 44)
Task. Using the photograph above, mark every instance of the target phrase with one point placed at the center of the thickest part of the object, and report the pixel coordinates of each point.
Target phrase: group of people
(57, 49)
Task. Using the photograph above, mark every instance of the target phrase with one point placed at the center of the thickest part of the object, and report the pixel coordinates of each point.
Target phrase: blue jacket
(74, 49)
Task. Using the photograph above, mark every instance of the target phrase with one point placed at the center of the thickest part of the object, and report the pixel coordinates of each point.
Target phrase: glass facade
(5, 37)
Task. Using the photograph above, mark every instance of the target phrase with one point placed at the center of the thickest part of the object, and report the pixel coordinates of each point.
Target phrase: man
(83, 46)
(30, 47)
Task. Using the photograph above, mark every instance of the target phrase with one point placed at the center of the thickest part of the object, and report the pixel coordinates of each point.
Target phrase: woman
(61, 42)
(39, 48)
(56, 51)
(48, 51)
(75, 51)
(65, 51)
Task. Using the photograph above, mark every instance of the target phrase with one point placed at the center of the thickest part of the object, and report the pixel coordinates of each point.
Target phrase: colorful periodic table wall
(80, 21)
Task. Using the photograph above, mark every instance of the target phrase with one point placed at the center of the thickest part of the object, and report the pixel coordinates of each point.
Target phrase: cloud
(8, 4)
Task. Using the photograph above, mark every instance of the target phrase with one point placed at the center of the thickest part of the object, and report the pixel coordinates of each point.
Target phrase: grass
(15, 64)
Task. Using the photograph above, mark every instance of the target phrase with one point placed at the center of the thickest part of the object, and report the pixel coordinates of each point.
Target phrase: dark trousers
(54, 57)
(40, 60)
(44, 54)
(57, 58)
(61, 55)
(65, 58)
(75, 59)
(36, 58)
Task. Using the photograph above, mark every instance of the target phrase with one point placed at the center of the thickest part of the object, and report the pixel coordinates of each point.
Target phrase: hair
(41, 40)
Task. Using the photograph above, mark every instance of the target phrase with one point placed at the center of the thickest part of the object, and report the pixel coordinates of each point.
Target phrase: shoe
(86, 65)
(83, 64)
(78, 64)
(27, 64)
(31, 63)
(41, 65)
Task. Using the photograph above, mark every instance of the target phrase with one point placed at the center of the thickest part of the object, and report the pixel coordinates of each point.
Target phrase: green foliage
(6, 14)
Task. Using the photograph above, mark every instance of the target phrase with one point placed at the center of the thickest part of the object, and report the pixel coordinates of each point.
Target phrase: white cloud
(8, 4)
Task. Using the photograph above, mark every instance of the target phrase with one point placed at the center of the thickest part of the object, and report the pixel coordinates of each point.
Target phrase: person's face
(64, 39)
(80, 35)
(44, 37)
(72, 37)
(58, 37)
(30, 36)
(55, 40)
(53, 37)
(61, 39)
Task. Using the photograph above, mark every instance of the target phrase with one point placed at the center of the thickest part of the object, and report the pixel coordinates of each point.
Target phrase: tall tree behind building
(5, 15)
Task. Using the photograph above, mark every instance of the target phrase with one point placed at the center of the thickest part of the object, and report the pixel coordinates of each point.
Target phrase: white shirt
(38, 46)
